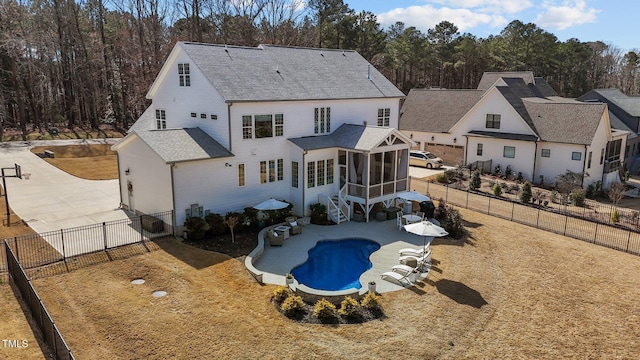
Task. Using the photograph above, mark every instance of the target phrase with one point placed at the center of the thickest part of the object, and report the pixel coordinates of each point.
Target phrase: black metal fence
(50, 332)
(91, 242)
(566, 221)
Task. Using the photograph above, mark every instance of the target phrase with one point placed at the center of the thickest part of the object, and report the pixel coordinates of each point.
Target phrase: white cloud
(488, 6)
(426, 17)
(569, 14)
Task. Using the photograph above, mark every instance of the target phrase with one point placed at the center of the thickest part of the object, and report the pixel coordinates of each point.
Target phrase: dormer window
(184, 74)
(493, 121)
(161, 119)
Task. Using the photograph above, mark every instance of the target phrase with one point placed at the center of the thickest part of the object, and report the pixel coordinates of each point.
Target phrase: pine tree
(525, 194)
(475, 182)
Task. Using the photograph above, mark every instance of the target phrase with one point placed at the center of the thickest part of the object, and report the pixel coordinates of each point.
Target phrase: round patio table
(410, 218)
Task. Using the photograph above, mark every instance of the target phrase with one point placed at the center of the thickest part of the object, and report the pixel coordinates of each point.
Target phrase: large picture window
(322, 120)
(262, 126)
(493, 121)
(161, 119)
(184, 74)
(383, 116)
(509, 152)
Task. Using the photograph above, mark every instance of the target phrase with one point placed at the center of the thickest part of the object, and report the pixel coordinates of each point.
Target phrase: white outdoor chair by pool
(399, 273)
(417, 252)
(399, 221)
(423, 261)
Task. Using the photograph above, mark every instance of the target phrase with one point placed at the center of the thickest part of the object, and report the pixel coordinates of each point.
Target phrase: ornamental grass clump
(292, 306)
(349, 308)
(371, 302)
(280, 294)
(324, 310)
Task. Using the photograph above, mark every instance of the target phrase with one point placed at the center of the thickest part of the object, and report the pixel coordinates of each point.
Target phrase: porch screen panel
(403, 161)
(389, 166)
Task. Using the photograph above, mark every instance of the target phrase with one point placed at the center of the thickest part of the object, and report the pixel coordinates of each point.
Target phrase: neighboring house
(624, 114)
(516, 120)
(231, 126)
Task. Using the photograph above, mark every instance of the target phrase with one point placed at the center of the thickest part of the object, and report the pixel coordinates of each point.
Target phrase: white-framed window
(193, 114)
(203, 116)
(322, 120)
(247, 127)
(493, 121)
(576, 155)
(545, 152)
(479, 150)
(509, 152)
(161, 119)
(264, 126)
(184, 74)
(311, 174)
(321, 173)
(589, 159)
(383, 116)
(214, 117)
(279, 125)
(271, 171)
(241, 175)
(295, 175)
(329, 171)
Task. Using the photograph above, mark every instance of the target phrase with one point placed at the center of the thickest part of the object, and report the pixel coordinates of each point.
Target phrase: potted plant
(372, 286)
(288, 278)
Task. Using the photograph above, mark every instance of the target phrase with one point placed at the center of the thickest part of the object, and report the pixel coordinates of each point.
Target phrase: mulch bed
(245, 241)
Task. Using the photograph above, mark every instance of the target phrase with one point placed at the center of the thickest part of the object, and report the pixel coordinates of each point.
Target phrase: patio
(275, 262)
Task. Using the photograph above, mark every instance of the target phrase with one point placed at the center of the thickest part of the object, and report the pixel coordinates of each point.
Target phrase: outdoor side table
(282, 231)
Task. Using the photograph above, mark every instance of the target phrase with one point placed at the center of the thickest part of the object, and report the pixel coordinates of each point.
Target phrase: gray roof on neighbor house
(490, 78)
(436, 110)
(347, 136)
(177, 145)
(565, 122)
(630, 104)
(616, 123)
(280, 73)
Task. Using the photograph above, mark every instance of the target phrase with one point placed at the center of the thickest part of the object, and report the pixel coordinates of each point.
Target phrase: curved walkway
(52, 199)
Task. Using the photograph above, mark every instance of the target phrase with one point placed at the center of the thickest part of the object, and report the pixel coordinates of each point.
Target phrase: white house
(231, 126)
(516, 120)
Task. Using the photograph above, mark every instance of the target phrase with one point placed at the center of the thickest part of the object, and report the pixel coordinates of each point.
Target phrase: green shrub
(590, 193)
(452, 222)
(442, 178)
(497, 189)
(324, 310)
(280, 294)
(318, 213)
(349, 308)
(370, 302)
(615, 216)
(519, 177)
(216, 224)
(475, 182)
(508, 172)
(577, 196)
(292, 305)
(526, 194)
(196, 227)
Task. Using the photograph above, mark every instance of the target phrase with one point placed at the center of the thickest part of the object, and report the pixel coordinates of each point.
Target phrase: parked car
(424, 159)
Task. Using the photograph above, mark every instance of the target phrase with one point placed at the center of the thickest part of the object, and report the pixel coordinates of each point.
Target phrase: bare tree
(616, 192)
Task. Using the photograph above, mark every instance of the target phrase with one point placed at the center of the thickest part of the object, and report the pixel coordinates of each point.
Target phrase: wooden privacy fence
(564, 223)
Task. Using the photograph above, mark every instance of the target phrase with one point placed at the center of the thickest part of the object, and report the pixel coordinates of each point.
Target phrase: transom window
(493, 121)
(383, 116)
(479, 150)
(322, 120)
(576, 155)
(264, 126)
(545, 153)
(184, 74)
(509, 152)
(161, 119)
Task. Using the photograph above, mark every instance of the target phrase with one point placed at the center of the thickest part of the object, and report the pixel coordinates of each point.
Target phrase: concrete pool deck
(276, 262)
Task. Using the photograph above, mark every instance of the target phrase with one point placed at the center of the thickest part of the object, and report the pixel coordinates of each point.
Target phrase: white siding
(560, 161)
(320, 193)
(149, 175)
(493, 149)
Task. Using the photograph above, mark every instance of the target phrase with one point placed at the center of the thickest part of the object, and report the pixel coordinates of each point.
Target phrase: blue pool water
(336, 265)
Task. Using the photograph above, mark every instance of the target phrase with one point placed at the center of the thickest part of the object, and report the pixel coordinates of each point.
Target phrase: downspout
(466, 148)
(119, 178)
(535, 161)
(584, 166)
(229, 123)
(173, 201)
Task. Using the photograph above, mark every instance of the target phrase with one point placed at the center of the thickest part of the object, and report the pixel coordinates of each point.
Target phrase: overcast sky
(611, 21)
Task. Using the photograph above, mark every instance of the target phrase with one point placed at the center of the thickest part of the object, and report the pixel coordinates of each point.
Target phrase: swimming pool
(336, 265)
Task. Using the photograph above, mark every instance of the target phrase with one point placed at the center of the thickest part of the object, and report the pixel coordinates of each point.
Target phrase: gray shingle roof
(568, 122)
(177, 145)
(347, 136)
(630, 104)
(435, 110)
(490, 78)
(616, 123)
(273, 73)
(500, 135)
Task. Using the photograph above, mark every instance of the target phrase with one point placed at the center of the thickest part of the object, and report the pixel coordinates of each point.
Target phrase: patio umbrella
(412, 196)
(271, 204)
(426, 229)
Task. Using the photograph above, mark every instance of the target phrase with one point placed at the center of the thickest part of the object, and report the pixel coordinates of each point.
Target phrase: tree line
(81, 63)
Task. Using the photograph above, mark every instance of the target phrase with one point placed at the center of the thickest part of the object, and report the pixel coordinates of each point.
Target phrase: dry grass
(90, 161)
(508, 291)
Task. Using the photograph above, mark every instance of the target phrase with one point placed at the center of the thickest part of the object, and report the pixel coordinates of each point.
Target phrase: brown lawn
(90, 161)
(509, 291)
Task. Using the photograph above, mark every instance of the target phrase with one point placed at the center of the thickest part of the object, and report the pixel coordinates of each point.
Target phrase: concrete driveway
(420, 172)
(52, 199)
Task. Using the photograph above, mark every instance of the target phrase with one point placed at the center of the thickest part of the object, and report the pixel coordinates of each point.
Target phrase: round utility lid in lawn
(137, 281)
(159, 293)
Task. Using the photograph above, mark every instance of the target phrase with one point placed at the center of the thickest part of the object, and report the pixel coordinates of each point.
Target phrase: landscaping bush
(590, 193)
(577, 196)
(318, 213)
(196, 227)
(371, 302)
(615, 216)
(497, 189)
(250, 217)
(475, 182)
(519, 177)
(526, 194)
(451, 221)
(216, 224)
(508, 172)
(442, 178)
(292, 306)
(349, 308)
(497, 171)
(280, 294)
(324, 310)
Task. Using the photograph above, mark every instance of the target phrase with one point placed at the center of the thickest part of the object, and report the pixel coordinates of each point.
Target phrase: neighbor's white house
(231, 126)
(517, 120)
